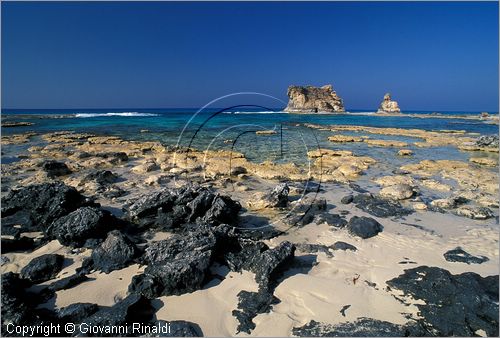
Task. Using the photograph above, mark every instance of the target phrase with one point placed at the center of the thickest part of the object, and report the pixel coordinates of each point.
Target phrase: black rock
(17, 244)
(114, 157)
(101, 177)
(116, 252)
(380, 207)
(363, 327)
(453, 305)
(133, 309)
(14, 309)
(173, 208)
(55, 168)
(43, 268)
(278, 198)
(272, 262)
(364, 227)
(77, 312)
(343, 246)
(84, 223)
(246, 257)
(347, 199)
(37, 206)
(306, 210)
(459, 255)
(334, 220)
(176, 265)
(250, 304)
(68, 282)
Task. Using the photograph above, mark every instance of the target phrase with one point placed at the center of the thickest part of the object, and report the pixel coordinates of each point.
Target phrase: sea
(235, 129)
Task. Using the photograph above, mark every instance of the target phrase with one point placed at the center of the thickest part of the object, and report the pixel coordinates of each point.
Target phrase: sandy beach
(450, 205)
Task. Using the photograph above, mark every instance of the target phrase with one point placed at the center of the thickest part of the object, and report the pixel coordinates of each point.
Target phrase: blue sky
(430, 56)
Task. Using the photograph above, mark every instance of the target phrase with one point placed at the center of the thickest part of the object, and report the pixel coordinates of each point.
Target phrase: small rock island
(388, 106)
(310, 99)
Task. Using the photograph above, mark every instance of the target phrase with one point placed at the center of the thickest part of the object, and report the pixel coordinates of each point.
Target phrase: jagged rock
(447, 203)
(77, 312)
(397, 191)
(459, 255)
(451, 305)
(343, 246)
(43, 268)
(14, 308)
(380, 207)
(37, 206)
(133, 309)
(80, 225)
(55, 168)
(364, 227)
(172, 208)
(176, 265)
(474, 212)
(388, 106)
(313, 99)
(305, 210)
(250, 304)
(272, 262)
(362, 327)
(116, 252)
(277, 198)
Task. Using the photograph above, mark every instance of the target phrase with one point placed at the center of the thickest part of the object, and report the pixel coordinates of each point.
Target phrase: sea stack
(312, 99)
(388, 106)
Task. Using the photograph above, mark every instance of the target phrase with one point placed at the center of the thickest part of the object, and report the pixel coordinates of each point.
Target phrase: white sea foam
(125, 114)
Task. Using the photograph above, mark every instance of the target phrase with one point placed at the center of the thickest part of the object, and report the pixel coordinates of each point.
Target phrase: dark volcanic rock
(37, 206)
(14, 309)
(77, 312)
(84, 223)
(278, 198)
(116, 252)
(246, 257)
(363, 327)
(172, 208)
(454, 305)
(114, 157)
(101, 177)
(68, 282)
(380, 207)
(133, 309)
(343, 246)
(250, 304)
(176, 265)
(306, 210)
(333, 220)
(43, 268)
(55, 168)
(272, 262)
(364, 227)
(17, 244)
(347, 199)
(459, 255)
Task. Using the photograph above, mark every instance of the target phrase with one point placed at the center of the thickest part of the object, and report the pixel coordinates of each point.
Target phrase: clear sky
(430, 56)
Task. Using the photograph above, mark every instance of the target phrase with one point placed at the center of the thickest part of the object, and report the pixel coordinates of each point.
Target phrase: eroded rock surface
(388, 105)
(313, 99)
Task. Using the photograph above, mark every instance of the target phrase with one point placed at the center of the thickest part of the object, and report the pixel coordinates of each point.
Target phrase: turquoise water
(217, 129)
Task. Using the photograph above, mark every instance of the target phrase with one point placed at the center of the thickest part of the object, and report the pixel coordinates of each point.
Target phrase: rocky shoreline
(111, 231)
